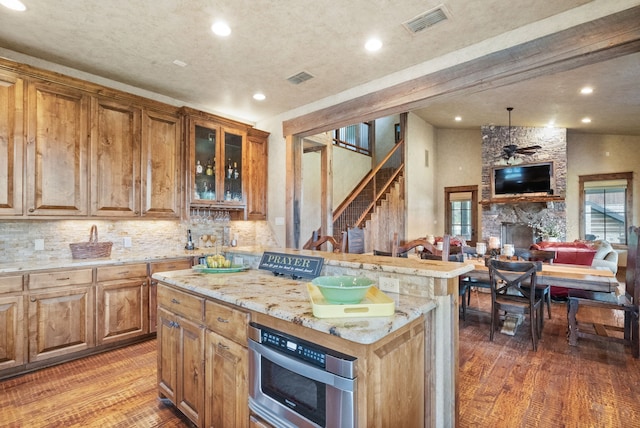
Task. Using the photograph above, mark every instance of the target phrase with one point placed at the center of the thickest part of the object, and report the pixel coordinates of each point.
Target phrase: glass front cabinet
(218, 172)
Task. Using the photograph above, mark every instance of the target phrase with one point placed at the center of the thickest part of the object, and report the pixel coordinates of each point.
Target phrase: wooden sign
(291, 264)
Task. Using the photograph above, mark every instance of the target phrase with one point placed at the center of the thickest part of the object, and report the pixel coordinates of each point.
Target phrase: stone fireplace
(511, 221)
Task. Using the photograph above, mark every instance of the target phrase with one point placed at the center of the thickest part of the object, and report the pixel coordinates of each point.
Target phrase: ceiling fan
(511, 154)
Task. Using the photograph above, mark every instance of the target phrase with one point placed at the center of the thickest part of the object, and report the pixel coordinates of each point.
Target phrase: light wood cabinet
(115, 159)
(12, 323)
(226, 382)
(161, 165)
(57, 149)
(122, 308)
(257, 161)
(61, 313)
(165, 266)
(181, 351)
(11, 143)
(225, 165)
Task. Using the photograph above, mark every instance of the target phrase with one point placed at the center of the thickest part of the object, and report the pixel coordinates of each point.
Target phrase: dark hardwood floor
(502, 383)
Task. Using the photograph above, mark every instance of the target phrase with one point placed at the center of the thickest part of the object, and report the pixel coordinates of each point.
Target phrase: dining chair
(469, 251)
(509, 295)
(354, 240)
(544, 256)
(317, 241)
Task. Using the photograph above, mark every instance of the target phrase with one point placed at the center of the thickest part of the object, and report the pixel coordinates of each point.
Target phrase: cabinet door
(167, 354)
(12, 338)
(115, 159)
(181, 364)
(226, 382)
(60, 322)
(161, 160)
(57, 148)
(11, 144)
(233, 172)
(256, 182)
(122, 310)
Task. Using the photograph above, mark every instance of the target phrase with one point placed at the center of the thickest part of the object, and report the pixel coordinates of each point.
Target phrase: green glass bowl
(343, 290)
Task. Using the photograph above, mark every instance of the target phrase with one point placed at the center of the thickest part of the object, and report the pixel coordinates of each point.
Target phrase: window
(461, 211)
(605, 207)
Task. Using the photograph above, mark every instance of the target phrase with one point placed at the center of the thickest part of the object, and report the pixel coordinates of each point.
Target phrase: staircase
(381, 184)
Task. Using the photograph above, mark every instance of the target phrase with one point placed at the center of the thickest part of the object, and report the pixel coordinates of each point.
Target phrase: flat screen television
(534, 179)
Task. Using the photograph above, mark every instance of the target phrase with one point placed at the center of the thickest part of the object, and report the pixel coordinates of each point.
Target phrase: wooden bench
(600, 331)
(628, 302)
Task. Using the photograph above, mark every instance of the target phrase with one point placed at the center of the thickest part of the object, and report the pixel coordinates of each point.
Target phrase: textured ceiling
(135, 42)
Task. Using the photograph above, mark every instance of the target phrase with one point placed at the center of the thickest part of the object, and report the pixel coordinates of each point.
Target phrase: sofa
(597, 253)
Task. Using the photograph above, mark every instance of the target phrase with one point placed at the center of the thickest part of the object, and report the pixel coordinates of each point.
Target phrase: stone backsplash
(148, 237)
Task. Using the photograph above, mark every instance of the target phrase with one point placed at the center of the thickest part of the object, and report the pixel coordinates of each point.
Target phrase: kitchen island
(407, 362)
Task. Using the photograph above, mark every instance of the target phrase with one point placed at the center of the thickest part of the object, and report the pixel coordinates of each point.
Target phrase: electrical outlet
(39, 244)
(391, 285)
(126, 242)
(238, 260)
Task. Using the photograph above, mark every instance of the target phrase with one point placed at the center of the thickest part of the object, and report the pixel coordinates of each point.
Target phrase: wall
(458, 156)
(600, 154)
(422, 196)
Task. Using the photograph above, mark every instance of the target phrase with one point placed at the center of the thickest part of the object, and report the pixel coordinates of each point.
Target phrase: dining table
(560, 275)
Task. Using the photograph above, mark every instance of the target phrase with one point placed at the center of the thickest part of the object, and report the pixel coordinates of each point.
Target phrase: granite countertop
(288, 299)
(34, 266)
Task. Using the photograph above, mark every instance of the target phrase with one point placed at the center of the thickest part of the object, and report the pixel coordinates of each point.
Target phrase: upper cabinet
(57, 149)
(11, 143)
(70, 148)
(225, 165)
(161, 163)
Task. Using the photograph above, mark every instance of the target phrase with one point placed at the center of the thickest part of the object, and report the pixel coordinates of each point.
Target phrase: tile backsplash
(148, 237)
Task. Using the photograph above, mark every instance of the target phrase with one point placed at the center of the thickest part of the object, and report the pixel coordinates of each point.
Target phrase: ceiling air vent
(426, 19)
(297, 79)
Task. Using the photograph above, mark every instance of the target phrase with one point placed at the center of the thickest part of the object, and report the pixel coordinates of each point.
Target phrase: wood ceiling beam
(596, 41)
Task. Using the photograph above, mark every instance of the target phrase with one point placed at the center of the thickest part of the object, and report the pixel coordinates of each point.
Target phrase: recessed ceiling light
(586, 90)
(457, 118)
(259, 96)
(373, 45)
(586, 120)
(14, 5)
(179, 63)
(221, 29)
(550, 124)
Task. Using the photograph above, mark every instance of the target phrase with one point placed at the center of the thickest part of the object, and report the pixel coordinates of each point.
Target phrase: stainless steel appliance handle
(297, 366)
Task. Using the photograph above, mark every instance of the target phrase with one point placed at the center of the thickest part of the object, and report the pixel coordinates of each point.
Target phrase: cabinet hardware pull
(176, 301)
(222, 320)
(31, 210)
(154, 282)
(222, 346)
(62, 279)
(33, 299)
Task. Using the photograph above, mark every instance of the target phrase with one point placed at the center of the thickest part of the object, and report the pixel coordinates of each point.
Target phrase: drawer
(60, 278)
(10, 284)
(226, 321)
(180, 303)
(109, 273)
(169, 266)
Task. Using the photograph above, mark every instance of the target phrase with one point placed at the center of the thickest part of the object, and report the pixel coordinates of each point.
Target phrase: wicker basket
(93, 248)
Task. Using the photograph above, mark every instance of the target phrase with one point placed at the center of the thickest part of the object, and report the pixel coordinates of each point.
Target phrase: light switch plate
(126, 242)
(39, 244)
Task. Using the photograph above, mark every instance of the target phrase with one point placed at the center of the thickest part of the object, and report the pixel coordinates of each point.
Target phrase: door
(57, 150)
(122, 310)
(115, 159)
(60, 322)
(226, 383)
(461, 212)
(161, 164)
(11, 144)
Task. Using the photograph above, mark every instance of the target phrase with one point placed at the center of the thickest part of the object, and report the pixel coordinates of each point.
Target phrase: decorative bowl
(343, 290)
